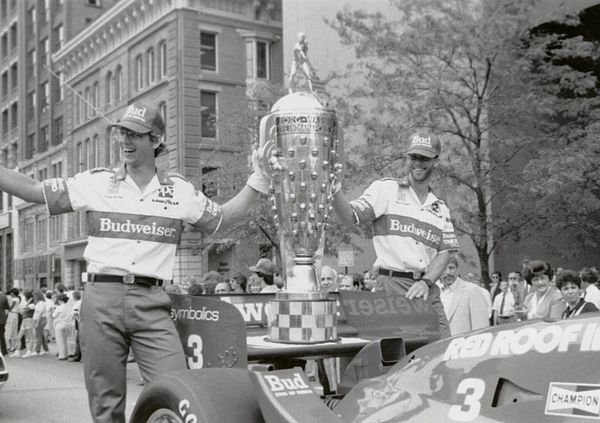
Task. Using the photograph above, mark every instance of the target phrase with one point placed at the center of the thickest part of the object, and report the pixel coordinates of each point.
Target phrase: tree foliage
(460, 69)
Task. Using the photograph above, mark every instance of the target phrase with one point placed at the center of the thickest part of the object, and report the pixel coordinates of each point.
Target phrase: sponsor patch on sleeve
(210, 220)
(363, 211)
(57, 196)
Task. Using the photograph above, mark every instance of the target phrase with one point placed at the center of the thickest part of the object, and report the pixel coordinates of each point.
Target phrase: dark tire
(199, 396)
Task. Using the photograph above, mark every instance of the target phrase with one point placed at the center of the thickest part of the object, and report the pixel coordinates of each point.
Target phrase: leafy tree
(459, 69)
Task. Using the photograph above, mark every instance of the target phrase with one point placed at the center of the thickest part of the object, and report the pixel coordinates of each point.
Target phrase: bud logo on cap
(421, 141)
(424, 145)
(138, 113)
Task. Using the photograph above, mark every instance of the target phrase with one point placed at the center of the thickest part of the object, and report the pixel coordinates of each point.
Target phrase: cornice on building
(124, 21)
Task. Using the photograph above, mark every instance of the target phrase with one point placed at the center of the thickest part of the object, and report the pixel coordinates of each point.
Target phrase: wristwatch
(427, 281)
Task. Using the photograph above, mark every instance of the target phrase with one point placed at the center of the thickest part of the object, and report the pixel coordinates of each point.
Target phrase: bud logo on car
(573, 399)
(287, 386)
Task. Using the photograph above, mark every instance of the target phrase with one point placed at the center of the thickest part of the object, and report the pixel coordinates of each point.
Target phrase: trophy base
(302, 318)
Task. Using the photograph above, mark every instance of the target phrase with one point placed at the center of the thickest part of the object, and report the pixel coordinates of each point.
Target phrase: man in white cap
(413, 236)
(135, 216)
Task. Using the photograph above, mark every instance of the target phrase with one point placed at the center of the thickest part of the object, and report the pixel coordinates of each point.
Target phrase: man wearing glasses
(413, 236)
(135, 215)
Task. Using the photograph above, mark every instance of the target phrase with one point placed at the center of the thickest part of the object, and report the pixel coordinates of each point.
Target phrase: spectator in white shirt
(589, 279)
(61, 325)
(504, 305)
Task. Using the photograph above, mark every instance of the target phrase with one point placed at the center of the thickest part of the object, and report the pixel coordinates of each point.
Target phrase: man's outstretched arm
(21, 186)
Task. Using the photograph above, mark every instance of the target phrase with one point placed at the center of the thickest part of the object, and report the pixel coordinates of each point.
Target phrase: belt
(127, 279)
(396, 274)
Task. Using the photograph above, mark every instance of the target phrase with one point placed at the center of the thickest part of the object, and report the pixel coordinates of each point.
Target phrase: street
(43, 389)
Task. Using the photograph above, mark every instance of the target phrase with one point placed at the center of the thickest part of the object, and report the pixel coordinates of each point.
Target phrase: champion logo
(570, 399)
(421, 141)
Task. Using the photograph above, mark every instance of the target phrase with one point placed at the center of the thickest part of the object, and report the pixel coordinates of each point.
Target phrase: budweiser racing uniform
(131, 247)
(407, 235)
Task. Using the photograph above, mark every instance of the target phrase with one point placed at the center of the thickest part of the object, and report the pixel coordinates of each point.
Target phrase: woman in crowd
(39, 323)
(545, 300)
(61, 325)
(26, 330)
(12, 322)
(569, 284)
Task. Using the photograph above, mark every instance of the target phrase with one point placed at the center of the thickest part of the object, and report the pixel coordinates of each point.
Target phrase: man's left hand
(419, 289)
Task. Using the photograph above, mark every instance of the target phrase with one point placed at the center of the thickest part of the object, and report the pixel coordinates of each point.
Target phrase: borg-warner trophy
(302, 129)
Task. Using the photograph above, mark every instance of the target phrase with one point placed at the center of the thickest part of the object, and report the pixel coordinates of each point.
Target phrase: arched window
(95, 98)
(86, 106)
(139, 72)
(107, 88)
(151, 67)
(93, 152)
(118, 83)
(85, 155)
(162, 59)
(162, 109)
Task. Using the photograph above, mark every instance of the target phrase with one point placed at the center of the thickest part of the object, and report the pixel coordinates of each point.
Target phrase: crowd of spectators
(36, 318)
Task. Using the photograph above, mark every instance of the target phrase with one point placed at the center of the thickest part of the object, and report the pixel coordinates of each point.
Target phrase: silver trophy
(303, 129)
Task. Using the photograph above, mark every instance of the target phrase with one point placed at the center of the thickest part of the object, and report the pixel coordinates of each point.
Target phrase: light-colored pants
(61, 331)
(27, 332)
(115, 317)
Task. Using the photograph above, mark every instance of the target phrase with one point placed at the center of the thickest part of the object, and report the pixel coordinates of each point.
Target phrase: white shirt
(509, 304)
(592, 295)
(132, 232)
(407, 234)
(447, 295)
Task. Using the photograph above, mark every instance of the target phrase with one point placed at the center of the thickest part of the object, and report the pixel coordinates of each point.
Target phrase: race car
(3, 371)
(533, 371)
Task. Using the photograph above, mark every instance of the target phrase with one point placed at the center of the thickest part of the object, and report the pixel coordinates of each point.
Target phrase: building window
(31, 104)
(59, 90)
(57, 170)
(59, 37)
(56, 229)
(208, 114)
(44, 96)
(108, 87)
(14, 115)
(13, 36)
(93, 153)
(95, 98)
(118, 83)
(4, 44)
(58, 131)
(97, 3)
(258, 60)
(162, 109)
(86, 154)
(31, 20)
(29, 146)
(139, 72)
(44, 50)
(14, 78)
(162, 59)
(31, 62)
(41, 231)
(4, 84)
(5, 122)
(80, 157)
(43, 140)
(151, 67)
(88, 103)
(208, 51)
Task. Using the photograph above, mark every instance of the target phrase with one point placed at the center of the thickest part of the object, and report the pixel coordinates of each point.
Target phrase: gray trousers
(114, 318)
(400, 286)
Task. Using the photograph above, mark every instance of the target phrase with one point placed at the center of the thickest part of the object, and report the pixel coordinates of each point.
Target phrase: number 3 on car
(473, 390)
(196, 361)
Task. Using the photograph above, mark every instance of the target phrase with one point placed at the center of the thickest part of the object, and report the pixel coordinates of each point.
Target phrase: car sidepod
(534, 371)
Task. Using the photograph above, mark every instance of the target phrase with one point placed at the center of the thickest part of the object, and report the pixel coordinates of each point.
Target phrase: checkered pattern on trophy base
(302, 322)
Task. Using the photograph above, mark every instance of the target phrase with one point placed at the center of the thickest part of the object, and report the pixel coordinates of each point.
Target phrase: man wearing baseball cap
(135, 217)
(413, 235)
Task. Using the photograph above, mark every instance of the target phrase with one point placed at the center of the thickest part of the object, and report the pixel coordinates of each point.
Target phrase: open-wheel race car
(397, 370)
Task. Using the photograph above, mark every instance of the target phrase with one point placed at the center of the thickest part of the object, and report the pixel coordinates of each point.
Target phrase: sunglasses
(124, 132)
